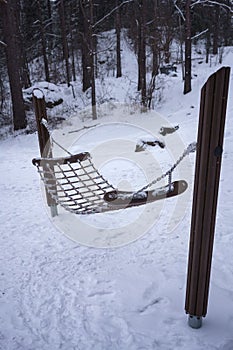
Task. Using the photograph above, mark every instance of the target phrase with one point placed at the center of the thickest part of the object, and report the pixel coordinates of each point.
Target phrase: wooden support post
(44, 139)
(208, 165)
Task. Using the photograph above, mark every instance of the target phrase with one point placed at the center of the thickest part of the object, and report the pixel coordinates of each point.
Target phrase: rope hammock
(74, 183)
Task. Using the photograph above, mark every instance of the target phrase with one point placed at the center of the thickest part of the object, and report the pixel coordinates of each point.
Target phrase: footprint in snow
(99, 293)
(149, 307)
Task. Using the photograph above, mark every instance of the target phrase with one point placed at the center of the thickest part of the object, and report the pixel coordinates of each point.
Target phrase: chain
(191, 148)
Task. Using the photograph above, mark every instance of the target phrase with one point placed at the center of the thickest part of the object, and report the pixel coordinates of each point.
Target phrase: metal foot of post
(195, 321)
(53, 210)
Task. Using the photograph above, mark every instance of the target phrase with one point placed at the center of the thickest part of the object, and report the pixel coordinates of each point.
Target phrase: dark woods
(61, 39)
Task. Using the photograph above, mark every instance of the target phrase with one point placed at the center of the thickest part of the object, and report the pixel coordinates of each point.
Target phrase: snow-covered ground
(101, 293)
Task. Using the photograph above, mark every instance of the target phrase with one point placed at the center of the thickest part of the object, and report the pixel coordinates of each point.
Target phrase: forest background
(58, 42)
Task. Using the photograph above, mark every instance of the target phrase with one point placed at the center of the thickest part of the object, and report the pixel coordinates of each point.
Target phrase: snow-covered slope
(56, 293)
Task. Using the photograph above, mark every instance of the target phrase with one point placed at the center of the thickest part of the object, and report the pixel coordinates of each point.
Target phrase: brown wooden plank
(126, 199)
(208, 165)
(61, 160)
(44, 139)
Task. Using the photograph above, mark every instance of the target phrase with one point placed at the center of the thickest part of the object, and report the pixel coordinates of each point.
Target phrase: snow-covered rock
(52, 93)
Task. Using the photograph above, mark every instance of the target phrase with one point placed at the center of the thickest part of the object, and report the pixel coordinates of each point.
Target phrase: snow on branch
(2, 43)
(111, 12)
(199, 34)
(210, 2)
(179, 10)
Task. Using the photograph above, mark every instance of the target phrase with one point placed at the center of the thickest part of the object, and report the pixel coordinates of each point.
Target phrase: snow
(114, 280)
(52, 93)
(38, 93)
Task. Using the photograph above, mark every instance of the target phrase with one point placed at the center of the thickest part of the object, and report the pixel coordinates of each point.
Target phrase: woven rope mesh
(78, 186)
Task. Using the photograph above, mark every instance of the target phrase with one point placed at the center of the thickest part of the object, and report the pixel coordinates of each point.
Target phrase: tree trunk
(86, 50)
(181, 48)
(143, 54)
(25, 76)
(227, 28)
(216, 29)
(72, 43)
(118, 41)
(49, 9)
(43, 43)
(2, 94)
(207, 46)
(64, 41)
(155, 50)
(188, 49)
(13, 54)
(50, 39)
(72, 55)
(86, 65)
(24, 70)
(167, 54)
(139, 49)
(92, 47)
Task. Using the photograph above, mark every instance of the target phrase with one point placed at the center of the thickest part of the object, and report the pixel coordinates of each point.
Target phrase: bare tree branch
(111, 12)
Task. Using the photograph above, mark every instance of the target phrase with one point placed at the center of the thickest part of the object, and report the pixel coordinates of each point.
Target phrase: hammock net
(74, 183)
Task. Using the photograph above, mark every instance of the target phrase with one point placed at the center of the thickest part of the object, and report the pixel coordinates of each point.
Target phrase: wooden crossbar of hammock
(74, 183)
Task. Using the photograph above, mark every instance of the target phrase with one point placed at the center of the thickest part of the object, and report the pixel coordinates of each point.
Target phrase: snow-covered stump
(208, 165)
(44, 139)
